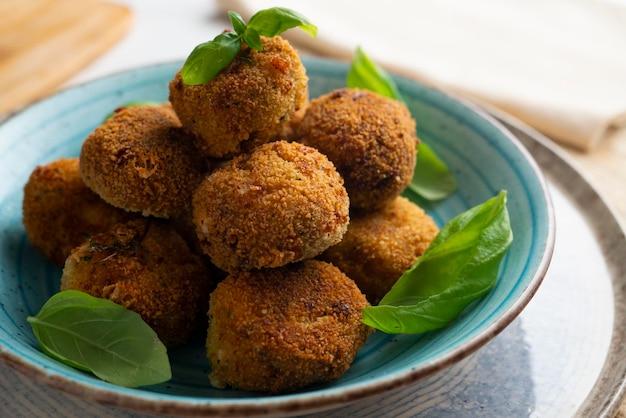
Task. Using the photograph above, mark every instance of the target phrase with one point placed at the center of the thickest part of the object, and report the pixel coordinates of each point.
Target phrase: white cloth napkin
(558, 65)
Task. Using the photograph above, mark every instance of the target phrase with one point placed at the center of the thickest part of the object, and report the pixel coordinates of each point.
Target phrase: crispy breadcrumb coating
(140, 160)
(370, 139)
(283, 202)
(60, 212)
(247, 103)
(145, 266)
(279, 330)
(381, 245)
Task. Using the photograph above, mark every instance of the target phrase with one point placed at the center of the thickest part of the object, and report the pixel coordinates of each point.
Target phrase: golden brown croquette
(283, 202)
(279, 330)
(140, 160)
(145, 266)
(60, 212)
(247, 103)
(370, 139)
(381, 245)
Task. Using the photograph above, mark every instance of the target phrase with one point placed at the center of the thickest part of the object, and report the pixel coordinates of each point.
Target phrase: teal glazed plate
(484, 158)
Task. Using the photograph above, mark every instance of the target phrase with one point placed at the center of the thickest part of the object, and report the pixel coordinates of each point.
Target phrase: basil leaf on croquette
(209, 58)
(239, 25)
(102, 337)
(276, 20)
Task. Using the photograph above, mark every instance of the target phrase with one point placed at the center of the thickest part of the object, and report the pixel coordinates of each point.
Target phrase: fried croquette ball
(381, 245)
(370, 139)
(145, 266)
(279, 330)
(139, 160)
(247, 103)
(60, 212)
(282, 203)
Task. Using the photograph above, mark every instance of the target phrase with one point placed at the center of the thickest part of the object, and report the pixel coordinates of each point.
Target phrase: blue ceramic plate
(484, 157)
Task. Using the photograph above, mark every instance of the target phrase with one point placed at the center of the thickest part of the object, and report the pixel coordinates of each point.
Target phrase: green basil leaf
(365, 74)
(459, 266)
(432, 179)
(276, 20)
(102, 337)
(209, 58)
(253, 39)
(239, 25)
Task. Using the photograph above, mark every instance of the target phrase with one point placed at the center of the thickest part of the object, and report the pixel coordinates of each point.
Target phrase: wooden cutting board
(45, 42)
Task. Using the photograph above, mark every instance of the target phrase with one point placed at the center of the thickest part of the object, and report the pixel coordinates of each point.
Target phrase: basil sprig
(102, 337)
(209, 58)
(431, 178)
(460, 265)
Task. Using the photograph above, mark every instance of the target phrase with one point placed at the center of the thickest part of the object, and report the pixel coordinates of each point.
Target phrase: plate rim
(607, 394)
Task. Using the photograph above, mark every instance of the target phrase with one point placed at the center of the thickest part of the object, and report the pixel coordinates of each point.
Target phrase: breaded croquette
(280, 330)
(145, 266)
(370, 139)
(282, 203)
(247, 103)
(140, 160)
(60, 212)
(381, 245)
